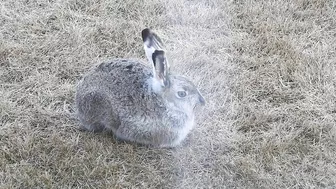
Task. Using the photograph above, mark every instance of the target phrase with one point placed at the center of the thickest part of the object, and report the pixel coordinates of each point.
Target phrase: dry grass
(266, 68)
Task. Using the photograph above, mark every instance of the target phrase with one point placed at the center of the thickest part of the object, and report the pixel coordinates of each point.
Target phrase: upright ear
(161, 68)
(150, 39)
(152, 42)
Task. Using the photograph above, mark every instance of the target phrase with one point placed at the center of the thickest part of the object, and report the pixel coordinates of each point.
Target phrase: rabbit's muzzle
(201, 100)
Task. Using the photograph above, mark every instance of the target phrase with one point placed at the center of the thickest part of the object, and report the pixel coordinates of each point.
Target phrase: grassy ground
(266, 68)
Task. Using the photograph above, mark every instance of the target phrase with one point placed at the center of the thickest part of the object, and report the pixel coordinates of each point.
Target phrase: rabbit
(149, 106)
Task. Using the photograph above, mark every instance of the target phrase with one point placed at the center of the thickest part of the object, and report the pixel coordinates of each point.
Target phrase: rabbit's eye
(181, 94)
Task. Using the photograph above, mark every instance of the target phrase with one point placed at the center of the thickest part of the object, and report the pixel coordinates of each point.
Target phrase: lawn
(267, 70)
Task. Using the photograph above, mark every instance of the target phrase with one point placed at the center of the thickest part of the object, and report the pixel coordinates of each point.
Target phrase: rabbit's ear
(151, 43)
(150, 39)
(161, 67)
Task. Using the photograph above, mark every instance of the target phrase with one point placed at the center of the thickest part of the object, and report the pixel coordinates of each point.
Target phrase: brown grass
(266, 68)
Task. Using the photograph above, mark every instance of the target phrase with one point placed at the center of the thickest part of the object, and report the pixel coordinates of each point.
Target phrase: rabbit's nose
(201, 100)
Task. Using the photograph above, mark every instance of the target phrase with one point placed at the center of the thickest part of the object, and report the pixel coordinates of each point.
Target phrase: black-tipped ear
(161, 67)
(156, 56)
(151, 40)
(145, 34)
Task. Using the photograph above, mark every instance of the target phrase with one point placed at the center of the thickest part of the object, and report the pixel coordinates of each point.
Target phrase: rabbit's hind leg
(91, 127)
(93, 110)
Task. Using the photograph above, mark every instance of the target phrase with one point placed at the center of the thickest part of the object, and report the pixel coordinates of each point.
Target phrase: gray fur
(119, 96)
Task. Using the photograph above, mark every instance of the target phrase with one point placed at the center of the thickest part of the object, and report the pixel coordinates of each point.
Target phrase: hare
(138, 104)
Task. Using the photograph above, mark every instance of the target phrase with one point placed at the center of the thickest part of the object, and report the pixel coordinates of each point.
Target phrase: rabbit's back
(119, 87)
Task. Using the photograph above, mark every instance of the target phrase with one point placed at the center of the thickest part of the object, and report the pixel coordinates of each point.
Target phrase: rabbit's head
(182, 94)
(178, 91)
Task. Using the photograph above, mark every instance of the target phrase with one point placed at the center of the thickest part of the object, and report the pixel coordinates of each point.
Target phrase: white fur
(149, 52)
(186, 129)
(155, 85)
